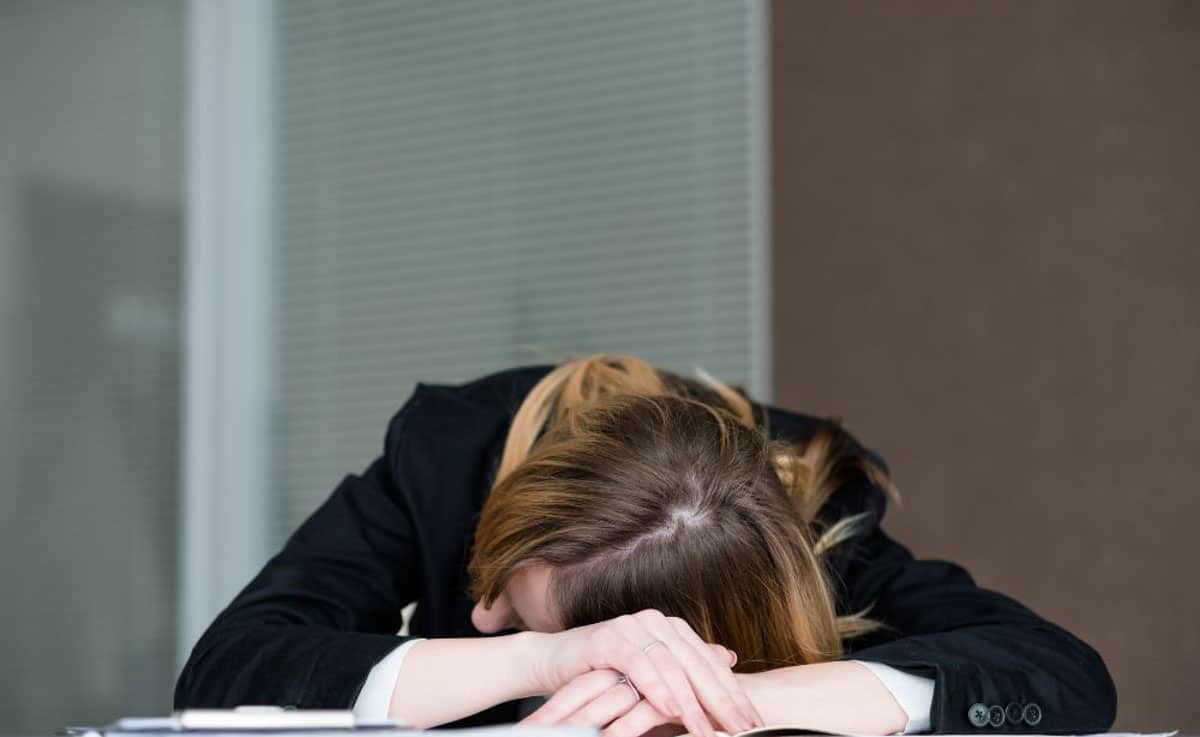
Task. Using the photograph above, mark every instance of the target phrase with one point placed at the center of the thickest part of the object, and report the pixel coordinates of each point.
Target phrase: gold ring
(656, 642)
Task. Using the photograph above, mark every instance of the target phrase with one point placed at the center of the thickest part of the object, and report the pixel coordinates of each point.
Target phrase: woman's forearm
(447, 679)
(839, 696)
(442, 680)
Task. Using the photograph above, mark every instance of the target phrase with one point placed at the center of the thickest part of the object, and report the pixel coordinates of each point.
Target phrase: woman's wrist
(837, 696)
(498, 669)
(533, 653)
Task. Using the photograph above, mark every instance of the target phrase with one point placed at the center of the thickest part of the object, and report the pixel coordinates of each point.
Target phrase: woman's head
(624, 488)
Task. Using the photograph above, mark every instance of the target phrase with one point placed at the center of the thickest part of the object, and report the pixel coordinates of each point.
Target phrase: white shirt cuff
(376, 695)
(913, 693)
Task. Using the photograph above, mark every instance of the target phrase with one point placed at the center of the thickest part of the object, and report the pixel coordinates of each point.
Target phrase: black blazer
(310, 626)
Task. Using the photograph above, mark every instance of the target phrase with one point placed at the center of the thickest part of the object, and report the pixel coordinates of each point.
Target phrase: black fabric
(309, 627)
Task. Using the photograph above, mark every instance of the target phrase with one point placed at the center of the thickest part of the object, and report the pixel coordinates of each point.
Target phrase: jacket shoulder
(506, 387)
(445, 427)
(503, 389)
(499, 391)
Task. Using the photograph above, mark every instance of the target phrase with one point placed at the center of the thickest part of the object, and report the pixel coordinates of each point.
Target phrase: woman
(651, 551)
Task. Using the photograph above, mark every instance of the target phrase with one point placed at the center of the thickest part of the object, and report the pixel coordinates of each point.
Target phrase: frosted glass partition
(467, 186)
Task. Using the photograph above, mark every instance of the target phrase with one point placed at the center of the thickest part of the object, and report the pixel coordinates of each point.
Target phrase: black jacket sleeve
(310, 626)
(996, 665)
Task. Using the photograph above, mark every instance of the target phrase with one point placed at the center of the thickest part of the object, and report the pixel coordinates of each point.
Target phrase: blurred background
(235, 233)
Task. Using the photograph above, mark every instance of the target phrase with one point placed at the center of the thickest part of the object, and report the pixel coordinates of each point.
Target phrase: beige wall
(987, 260)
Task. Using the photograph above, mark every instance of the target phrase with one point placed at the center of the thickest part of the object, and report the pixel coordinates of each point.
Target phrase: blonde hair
(645, 489)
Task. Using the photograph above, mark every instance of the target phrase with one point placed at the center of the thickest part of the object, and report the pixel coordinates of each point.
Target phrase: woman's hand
(682, 678)
(601, 698)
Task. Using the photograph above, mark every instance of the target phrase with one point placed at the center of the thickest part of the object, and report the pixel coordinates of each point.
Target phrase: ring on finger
(637, 696)
(652, 645)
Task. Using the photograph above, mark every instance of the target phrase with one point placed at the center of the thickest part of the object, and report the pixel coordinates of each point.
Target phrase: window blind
(464, 187)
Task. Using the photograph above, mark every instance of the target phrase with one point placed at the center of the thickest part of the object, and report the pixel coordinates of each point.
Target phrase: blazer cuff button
(1032, 714)
(996, 716)
(1014, 713)
(978, 715)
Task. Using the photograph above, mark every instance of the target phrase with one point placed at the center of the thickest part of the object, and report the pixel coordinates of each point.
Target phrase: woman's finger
(607, 707)
(721, 660)
(721, 654)
(639, 720)
(576, 694)
(717, 696)
(610, 647)
(658, 645)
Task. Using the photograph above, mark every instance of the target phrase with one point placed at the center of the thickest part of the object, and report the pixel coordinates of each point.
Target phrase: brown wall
(987, 260)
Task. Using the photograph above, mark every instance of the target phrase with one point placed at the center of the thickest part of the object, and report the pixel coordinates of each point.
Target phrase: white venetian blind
(465, 186)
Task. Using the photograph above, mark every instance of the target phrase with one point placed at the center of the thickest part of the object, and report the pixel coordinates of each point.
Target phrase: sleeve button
(1032, 714)
(978, 715)
(1014, 712)
(996, 716)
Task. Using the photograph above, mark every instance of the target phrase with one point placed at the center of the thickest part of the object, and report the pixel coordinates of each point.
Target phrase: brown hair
(644, 489)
